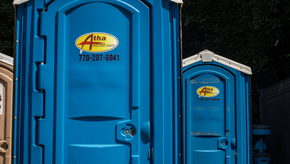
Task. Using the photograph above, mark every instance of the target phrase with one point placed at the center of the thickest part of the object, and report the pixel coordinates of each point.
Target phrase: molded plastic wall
(6, 112)
(76, 110)
(216, 114)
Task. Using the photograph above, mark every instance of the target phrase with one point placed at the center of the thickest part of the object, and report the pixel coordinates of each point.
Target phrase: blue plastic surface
(260, 150)
(216, 114)
(260, 146)
(261, 132)
(72, 109)
(262, 160)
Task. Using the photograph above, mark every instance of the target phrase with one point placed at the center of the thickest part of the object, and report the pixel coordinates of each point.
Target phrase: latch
(222, 143)
(126, 131)
(3, 146)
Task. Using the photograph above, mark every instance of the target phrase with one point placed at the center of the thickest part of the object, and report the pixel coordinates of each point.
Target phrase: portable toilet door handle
(3, 147)
(222, 143)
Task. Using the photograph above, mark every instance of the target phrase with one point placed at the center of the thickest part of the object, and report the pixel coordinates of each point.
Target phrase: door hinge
(40, 81)
(43, 77)
(38, 112)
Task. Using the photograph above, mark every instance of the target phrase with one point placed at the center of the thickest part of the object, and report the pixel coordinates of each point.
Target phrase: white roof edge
(6, 59)
(190, 60)
(177, 1)
(18, 2)
(217, 58)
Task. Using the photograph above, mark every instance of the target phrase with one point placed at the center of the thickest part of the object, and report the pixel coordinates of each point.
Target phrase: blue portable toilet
(97, 81)
(216, 110)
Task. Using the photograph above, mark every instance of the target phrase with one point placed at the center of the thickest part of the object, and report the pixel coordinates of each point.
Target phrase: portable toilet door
(86, 71)
(6, 112)
(216, 110)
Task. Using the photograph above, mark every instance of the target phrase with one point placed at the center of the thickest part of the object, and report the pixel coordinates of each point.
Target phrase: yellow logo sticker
(207, 91)
(97, 42)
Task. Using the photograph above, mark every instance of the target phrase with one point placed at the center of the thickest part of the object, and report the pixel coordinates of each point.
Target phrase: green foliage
(253, 32)
(6, 27)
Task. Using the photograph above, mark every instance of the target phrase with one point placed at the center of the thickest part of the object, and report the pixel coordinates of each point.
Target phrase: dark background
(6, 27)
(252, 32)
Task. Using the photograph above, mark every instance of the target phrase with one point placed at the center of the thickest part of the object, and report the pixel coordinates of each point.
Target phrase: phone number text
(99, 57)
